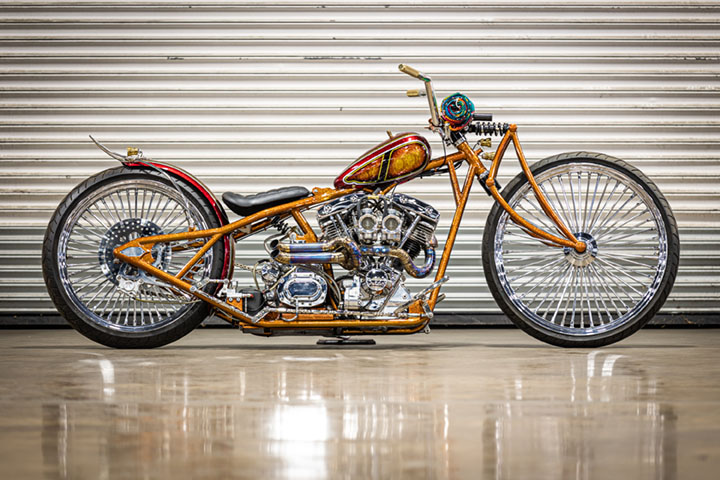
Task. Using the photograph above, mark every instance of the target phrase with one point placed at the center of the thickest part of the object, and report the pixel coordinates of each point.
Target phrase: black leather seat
(245, 205)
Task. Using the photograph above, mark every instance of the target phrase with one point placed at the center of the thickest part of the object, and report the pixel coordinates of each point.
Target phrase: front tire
(83, 278)
(610, 291)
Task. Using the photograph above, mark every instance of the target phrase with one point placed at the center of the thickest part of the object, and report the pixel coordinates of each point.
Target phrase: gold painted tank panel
(397, 159)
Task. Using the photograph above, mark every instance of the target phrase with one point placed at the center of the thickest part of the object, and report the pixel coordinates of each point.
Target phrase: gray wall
(256, 96)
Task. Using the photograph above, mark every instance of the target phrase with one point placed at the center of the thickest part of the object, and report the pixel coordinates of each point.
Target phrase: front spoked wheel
(613, 288)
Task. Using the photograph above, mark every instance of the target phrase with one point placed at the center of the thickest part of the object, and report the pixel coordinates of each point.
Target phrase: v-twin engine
(396, 220)
(376, 238)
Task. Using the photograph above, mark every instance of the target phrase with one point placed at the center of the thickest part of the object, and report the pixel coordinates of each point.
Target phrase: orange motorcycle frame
(419, 312)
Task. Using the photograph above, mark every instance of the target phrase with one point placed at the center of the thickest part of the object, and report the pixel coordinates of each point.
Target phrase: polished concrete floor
(490, 403)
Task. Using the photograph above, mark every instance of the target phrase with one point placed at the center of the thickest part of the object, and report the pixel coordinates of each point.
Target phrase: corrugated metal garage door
(252, 96)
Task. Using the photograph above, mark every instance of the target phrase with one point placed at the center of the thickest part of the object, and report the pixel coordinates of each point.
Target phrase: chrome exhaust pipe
(309, 258)
(404, 258)
(347, 254)
(340, 251)
(305, 247)
(410, 267)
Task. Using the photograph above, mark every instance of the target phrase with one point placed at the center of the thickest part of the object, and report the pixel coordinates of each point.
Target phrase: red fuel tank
(400, 158)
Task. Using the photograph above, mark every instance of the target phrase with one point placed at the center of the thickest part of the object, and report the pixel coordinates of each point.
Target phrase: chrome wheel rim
(610, 283)
(108, 292)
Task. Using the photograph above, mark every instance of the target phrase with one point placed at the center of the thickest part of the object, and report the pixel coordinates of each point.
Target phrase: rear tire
(598, 297)
(82, 275)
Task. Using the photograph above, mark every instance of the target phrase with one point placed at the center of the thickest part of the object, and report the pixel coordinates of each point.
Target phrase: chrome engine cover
(302, 288)
(378, 281)
(357, 297)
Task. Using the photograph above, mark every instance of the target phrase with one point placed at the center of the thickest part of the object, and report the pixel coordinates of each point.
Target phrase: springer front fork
(488, 178)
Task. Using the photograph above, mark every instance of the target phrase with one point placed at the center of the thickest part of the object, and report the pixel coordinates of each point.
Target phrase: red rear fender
(192, 181)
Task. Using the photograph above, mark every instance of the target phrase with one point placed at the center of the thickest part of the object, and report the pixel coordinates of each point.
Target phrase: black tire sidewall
(622, 331)
(176, 329)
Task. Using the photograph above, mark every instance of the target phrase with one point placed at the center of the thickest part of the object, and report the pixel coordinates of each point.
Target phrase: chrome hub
(121, 233)
(585, 258)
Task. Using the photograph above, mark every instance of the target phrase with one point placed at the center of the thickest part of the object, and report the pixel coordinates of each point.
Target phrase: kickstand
(345, 341)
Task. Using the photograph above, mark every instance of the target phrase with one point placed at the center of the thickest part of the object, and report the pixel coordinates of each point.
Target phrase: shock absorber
(283, 227)
(489, 128)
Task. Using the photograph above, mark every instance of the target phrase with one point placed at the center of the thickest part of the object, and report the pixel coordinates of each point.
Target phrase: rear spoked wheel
(616, 285)
(112, 302)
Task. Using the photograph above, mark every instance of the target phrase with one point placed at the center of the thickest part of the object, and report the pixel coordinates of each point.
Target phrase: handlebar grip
(482, 117)
(407, 69)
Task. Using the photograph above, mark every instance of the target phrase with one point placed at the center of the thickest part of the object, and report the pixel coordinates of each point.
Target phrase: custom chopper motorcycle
(579, 249)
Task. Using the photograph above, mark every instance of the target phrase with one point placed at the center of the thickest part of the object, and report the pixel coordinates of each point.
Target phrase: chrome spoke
(567, 204)
(626, 235)
(587, 296)
(634, 265)
(574, 206)
(149, 205)
(564, 215)
(618, 274)
(538, 214)
(161, 215)
(562, 296)
(99, 289)
(617, 225)
(587, 212)
(555, 287)
(592, 273)
(538, 269)
(610, 215)
(120, 216)
(579, 204)
(601, 211)
(574, 300)
(598, 210)
(82, 271)
(551, 272)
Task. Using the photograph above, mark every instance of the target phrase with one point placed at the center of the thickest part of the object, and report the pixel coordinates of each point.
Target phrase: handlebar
(432, 102)
(482, 117)
(407, 69)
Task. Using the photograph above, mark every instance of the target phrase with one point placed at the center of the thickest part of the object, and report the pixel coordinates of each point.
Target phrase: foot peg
(421, 295)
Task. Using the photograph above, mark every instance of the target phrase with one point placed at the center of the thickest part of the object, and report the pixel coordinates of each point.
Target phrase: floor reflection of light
(243, 384)
(518, 388)
(107, 370)
(350, 424)
(298, 436)
(607, 368)
(573, 439)
(63, 440)
(591, 363)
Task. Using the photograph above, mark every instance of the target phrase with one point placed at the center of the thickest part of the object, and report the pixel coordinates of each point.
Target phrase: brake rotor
(121, 233)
